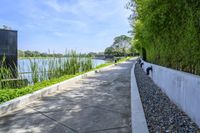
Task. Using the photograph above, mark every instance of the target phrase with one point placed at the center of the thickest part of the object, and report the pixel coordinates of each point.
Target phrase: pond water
(24, 66)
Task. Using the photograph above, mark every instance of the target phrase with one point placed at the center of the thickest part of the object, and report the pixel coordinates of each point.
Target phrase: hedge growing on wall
(169, 31)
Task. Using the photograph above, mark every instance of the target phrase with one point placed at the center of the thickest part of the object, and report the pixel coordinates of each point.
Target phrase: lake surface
(24, 66)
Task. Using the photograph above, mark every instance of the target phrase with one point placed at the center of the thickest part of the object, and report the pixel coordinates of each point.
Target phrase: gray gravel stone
(162, 115)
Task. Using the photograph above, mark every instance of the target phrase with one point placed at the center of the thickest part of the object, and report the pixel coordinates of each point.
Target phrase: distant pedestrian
(115, 60)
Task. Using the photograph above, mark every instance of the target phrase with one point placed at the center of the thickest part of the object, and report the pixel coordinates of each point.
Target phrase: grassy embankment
(8, 94)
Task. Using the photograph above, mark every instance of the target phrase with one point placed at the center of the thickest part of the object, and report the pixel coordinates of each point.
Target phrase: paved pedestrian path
(95, 104)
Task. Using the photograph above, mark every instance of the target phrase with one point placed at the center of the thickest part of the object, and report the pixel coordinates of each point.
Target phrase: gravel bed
(162, 115)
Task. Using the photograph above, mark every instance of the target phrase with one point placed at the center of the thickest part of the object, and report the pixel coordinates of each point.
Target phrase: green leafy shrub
(169, 31)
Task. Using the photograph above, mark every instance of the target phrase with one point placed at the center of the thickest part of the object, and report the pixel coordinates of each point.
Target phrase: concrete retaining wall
(182, 88)
(26, 99)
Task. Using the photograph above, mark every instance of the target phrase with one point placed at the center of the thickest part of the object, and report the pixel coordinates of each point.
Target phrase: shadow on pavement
(99, 103)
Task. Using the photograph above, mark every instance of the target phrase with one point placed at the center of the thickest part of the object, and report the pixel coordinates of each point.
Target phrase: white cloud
(54, 4)
(99, 10)
(59, 34)
(61, 7)
(73, 22)
(91, 21)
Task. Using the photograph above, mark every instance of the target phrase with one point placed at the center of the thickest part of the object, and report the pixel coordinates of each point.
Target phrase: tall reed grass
(43, 70)
(57, 67)
(5, 73)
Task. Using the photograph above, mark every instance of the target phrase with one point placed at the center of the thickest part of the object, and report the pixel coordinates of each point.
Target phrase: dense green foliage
(5, 72)
(27, 53)
(169, 32)
(37, 54)
(96, 54)
(120, 47)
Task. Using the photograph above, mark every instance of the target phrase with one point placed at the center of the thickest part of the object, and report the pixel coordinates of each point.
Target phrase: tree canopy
(168, 31)
(121, 46)
(29, 53)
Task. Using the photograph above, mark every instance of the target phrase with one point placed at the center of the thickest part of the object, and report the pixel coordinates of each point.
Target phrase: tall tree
(120, 47)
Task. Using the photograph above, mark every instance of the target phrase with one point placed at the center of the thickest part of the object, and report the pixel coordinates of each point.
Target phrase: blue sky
(57, 25)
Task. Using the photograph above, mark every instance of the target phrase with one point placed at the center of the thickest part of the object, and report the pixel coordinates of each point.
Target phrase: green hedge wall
(169, 31)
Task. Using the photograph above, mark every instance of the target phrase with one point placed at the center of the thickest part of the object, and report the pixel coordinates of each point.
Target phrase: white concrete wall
(182, 88)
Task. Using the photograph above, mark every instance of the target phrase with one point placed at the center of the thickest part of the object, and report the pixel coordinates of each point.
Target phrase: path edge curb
(138, 120)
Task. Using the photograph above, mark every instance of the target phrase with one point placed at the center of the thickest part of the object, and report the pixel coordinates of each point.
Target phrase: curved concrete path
(96, 104)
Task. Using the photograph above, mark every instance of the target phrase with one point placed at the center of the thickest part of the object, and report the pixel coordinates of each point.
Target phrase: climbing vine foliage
(169, 31)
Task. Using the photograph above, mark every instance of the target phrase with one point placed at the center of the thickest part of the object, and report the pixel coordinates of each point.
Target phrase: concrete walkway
(96, 104)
